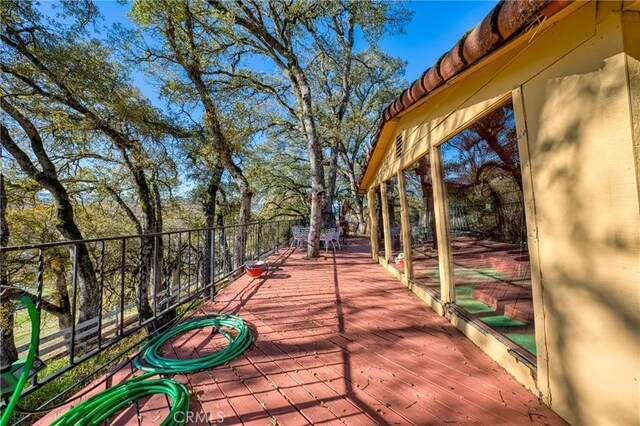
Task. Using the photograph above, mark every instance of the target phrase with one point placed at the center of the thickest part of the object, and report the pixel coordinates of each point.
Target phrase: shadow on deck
(338, 340)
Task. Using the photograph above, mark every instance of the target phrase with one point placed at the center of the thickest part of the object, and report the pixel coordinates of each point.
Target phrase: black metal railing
(504, 222)
(138, 281)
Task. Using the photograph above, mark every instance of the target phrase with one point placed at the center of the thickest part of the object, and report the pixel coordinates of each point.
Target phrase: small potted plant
(400, 261)
(255, 269)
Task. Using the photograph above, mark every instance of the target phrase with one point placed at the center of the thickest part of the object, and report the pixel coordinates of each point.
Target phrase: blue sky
(436, 26)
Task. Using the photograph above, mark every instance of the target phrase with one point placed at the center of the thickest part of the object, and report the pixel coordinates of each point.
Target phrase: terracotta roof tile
(432, 78)
(406, 98)
(516, 14)
(417, 89)
(483, 38)
(396, 107)
(554, 7)
(453, 62)
(386, 114)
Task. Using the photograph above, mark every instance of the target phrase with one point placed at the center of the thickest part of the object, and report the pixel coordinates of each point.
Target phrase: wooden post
(447, 283)
(406, 226)
(385, 222)
(373, 221)
(533, 245)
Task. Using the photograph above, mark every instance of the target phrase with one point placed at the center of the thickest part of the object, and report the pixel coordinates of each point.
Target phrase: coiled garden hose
(100, 407)
(34, 315)
(238, 343)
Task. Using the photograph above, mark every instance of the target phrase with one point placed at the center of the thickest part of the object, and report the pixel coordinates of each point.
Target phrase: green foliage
(255, 102)
(280, 171)
(74, 80)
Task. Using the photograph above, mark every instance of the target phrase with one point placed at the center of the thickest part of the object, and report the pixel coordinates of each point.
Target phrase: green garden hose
(34, 315)
(100, 407)
(238, 343)
(103, 405)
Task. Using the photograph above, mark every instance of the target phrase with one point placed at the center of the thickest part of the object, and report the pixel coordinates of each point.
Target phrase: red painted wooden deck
(338, 340)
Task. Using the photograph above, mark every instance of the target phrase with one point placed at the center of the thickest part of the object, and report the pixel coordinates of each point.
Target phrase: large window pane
(380, 223)
(393, 202)
(488, 232)
(424, 253)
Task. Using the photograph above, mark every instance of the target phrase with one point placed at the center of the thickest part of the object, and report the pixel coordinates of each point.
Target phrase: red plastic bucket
(255, 269)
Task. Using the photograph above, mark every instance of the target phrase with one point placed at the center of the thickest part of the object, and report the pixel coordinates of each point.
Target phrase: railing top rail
(482, 205)
(128, 237)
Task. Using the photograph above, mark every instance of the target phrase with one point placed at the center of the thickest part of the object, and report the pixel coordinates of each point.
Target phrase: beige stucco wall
(577, 114)
(631, 41)
(586, 198)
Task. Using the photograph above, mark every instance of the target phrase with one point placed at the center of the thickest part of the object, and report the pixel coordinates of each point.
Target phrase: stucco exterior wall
(631, 41)
(575, 84)
(578, 123)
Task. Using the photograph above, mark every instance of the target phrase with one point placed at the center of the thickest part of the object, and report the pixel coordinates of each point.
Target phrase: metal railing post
(40, 280)
(212, 268)
(259, 240)
(179, 266)
(74, 278)
(101, 292)
(197, 271)
(155, 276)
(189, 264)
(123, 259)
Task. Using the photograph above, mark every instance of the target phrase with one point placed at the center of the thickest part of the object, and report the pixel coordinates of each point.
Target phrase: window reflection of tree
(420, 199)
(393, 202)
(380, 222)
(483, 179)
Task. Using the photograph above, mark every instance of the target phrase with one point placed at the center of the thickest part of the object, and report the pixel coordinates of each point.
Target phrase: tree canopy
(190, 114)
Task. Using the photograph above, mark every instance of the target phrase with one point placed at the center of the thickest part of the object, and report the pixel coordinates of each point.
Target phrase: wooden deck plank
(331, 373)
(273, 401)
(340, 341)
(378, 374)
(207, 399)
(273, 404)
(373, 360)
(324, 394)
(386, 338)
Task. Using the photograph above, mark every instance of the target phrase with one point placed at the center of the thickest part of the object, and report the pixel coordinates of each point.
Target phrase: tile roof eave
(505, 21)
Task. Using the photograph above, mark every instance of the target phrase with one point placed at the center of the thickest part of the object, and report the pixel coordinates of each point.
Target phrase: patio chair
(342, 233)
(331, 235)
(300, 235)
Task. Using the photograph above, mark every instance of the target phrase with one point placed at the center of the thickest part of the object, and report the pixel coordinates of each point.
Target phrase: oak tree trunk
(8, 352)
(61, 299)
(209, 210)
(359, 207)
(303, 95)
(328, 218)
(149, 226)
(423, 171)
(88, 289)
